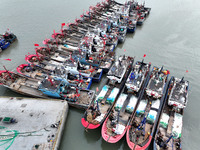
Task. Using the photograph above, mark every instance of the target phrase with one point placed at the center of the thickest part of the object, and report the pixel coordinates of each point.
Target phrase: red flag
(168, 72)
(63, 24)
(186, 71)
(8, 59)
(144, 55)
(97, 89)
(36, 44)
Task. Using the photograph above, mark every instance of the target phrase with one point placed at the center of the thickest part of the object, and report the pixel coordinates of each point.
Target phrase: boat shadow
(92, 136)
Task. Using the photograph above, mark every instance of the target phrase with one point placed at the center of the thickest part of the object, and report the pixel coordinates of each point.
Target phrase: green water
(169, 37)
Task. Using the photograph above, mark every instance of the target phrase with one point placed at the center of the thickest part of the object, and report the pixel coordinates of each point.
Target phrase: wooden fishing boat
(50, 87)
(99, 109)
(20, 84)
(68, 65)
(118, 121)
(44, 62)
(168, 134)
(143, 124)
(40, 73)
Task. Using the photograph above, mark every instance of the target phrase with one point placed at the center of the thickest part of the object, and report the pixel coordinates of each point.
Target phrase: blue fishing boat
(3, 44)
(131, 27)
(60, 88)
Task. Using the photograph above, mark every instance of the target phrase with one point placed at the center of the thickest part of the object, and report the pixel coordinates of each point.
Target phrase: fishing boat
(122, 33)
(143, 124)
(137, 76)
(96, 73)
(68, 66)
(20, 84)
(46, 61)
(40, 73)
(107, 61)
(143, 12)
(168, 134)
(132, 22)
(118, 121)
(118, 69)
(103, 60)
(101, 106)
(9, 37)
(3, 44)
(60, 88)
(141, 19)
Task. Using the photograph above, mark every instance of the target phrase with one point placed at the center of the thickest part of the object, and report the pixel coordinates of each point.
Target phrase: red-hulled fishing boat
(118, 121)
(144, 121)
(100, 108)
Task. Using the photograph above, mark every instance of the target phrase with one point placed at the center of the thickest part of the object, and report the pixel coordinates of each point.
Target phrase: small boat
(143, 124)
(168, 134)
(101, 106)
(3, 44)
(9, 37)
(118, 121)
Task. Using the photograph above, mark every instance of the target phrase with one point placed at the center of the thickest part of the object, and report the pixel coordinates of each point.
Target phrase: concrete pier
(31, 124)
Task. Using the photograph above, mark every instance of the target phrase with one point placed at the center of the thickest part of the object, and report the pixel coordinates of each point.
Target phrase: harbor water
(169, 37)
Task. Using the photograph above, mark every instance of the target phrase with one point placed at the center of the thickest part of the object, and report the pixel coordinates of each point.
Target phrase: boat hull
(88, 125)
(131, 30)
(108, 138)
(137, 147)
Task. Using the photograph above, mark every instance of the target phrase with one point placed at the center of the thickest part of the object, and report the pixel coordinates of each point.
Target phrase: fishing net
(7, 137)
